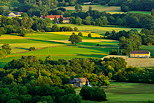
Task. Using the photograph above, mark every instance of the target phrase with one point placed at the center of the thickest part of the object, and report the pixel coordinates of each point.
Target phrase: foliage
(75, 39)
(70, 98)
(6, 48)
(80, 34)
(31, 48)
(93, 93)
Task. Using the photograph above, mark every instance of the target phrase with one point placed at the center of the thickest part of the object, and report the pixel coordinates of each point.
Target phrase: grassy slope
(56, 45)
(96, 7)
(149, 48)
(109, 9)
(141, 12)
(98, 29)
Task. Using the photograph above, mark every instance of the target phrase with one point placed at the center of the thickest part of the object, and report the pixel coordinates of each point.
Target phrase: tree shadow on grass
(91, 55)
(45, 41)
(21, 48)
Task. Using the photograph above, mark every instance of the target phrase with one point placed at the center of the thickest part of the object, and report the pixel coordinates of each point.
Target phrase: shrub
(113, 52)
(97, 44)
(93, 93)
(75, 29)
(70, 98)
(70, 91)
(89, 35)
(14, 101)
(31, 48)
(80, 34)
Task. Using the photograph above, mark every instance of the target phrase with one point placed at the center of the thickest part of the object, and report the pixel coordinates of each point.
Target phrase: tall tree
(78, 8)
(152, 12)
(78, 21)
(55, 20)
(75, 39)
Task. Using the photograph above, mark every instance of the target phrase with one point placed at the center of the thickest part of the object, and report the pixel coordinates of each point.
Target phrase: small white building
(15, 14)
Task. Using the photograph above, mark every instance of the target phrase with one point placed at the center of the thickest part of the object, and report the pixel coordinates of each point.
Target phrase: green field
(97, 7)
(56, 44)
(108, 9)
(127, 93)
(141, 12)
(149, 48)
(98, 29)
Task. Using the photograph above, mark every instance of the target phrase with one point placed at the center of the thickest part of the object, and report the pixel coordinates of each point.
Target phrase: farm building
(51, 17)
(14, 14)
(140, 54)
(66, 20)
(79, 82)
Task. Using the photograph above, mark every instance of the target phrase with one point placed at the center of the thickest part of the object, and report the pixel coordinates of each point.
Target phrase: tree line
(132, 40)
(29, 24)
(33, 80)
(97, 18)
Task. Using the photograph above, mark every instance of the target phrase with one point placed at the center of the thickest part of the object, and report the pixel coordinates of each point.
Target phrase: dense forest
(32, 80)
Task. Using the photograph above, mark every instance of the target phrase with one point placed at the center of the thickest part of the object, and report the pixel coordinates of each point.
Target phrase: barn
(140, 54)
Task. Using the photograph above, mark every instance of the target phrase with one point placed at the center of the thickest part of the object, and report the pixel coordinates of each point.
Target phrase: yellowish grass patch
(92, 40)
(21, 47)
(116, 12)
(70, 33)
(96, 7)
(11, 37)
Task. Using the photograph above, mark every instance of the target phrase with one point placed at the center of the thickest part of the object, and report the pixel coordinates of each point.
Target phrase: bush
(89, 35)
(113, 52)
(14, 101)
(97, 44)
(70, 91)
(75, 29)
(31, 48)
(70, 98)
(93, 93)
(80, 34)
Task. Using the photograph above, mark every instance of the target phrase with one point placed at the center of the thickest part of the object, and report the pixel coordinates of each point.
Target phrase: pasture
(55, 44)
(97, 7)
(141, 12)
(98, 29)
(149, 48)
(128, 93)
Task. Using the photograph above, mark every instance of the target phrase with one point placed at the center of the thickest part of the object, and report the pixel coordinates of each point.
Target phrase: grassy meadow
(149, 48)
(96, 7)
(56, 44)
(141, 12)
(108, 9)
(98, 29)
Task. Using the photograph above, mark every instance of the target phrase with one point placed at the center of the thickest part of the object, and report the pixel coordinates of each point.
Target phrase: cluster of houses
(66, 20)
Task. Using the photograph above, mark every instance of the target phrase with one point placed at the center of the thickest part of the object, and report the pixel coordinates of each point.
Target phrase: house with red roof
(79, 82)
(52, 17)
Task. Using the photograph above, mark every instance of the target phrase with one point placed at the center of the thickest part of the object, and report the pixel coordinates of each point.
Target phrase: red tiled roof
(52, 16)
(83, 80)
(139, 52)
